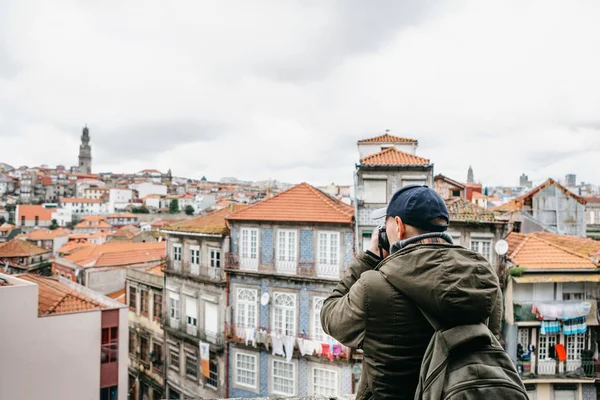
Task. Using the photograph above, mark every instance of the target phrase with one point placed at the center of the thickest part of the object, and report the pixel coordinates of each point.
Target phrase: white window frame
(313, 391)
(574, 345)
(246, 310)
(284, 316)
(191, 313)
(254, 371)
(317, 332)
(545, 342)
(195, 259)
(370, 196)
(477, 245)
(174, 306)
(248, 254)
(281, 363)
(212, 259)
(177, 247)
(523, 337)
(328, 254)
(286, 251)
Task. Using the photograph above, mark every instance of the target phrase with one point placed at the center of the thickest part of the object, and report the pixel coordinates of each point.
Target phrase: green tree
(189, 210)
(53, 225)
(140, 210)
(174, 206)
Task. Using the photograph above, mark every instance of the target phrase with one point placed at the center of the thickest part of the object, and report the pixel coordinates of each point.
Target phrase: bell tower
(85, 153)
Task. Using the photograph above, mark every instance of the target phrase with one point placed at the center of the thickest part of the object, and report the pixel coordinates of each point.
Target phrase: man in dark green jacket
(376, 306)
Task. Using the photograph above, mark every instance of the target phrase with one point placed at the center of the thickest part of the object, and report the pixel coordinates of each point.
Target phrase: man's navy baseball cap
(416, 205)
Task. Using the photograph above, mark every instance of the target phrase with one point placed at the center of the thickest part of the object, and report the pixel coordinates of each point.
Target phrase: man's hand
(374, 247)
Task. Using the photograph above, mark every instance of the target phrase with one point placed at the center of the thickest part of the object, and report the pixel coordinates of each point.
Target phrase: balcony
(303, 269)
(193, 334)
(196, 271)
(570, 369)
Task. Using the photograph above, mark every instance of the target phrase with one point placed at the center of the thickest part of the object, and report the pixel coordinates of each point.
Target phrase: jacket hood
(455, 285)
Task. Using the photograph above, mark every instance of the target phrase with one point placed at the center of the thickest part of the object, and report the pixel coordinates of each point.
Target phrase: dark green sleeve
(343, 312)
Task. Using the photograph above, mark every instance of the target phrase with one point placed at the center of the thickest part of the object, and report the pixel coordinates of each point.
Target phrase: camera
(383, 240)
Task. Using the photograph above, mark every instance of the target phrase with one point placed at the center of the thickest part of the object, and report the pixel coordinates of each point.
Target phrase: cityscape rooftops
(212, 223)
(47, 234)
(117, 254)
(521, 202)
(464, 211)
(393, 157)
(387, 138)
(20, 248)
(31, 211)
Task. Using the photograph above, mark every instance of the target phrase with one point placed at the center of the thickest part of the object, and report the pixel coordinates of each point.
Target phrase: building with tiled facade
(387, 163)
(68, 340)
(551, 314)
(287, 254)
(195, 291)
(144, 294)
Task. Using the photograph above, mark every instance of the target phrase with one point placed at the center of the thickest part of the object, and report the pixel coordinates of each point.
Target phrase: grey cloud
(356, 27)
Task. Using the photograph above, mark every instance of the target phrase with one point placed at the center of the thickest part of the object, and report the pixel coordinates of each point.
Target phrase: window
(157, 306)
(173, 394)
(546, 342)
(195, 260)
(483, 247)
(132, 298)
(247, 300)
(284, 313)
(177, 252)
(249, 248)
(23, 221)
(575, 344)
(317, 328)
(328, 254)
(132, 342)
(213, 379)
(191, 312)
(523, 338)
(324, 382)
(174, 309)
(245, 370)
(573, 291)
(191, 365)
(565, 392)
(211, 317)
(110, 345)
(283, 378)
(572, 296)
(456, 193)
(109, 393)
(144, 301)
(286, 251)
(37, 220)
(144, 349)
(174, 358)
(215, 258)
(366, 240)
(375, 191)
(156, 356)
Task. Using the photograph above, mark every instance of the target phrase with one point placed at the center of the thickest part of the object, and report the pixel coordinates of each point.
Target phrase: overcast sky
(284, 89)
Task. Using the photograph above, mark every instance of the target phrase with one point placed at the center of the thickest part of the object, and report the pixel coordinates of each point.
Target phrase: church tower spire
(85, 152)
(470, 177)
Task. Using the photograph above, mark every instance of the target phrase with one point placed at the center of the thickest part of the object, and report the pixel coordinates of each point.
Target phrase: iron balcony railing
(531, 369)
(305, 269)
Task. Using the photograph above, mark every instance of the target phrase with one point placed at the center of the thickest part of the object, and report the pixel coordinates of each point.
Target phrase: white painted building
(71, 347)
(79, 207)
(119, 199)
(147, 188)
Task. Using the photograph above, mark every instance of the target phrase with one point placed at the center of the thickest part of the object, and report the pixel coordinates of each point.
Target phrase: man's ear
(401, 228)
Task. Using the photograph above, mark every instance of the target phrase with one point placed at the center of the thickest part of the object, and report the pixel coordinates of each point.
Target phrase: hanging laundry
(337, 350)
(575, 326)
(326, 351)
(550, 328)
(277, 345)
(261, 336)
(288, 345)
(561, 353)
(250, 336)
(306, 346)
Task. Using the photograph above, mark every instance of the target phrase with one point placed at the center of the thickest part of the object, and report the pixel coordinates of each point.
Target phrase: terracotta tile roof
(212, 223)
(387, 139)
(93, 225)
(99, 234)
(119, 296)
(94, 218)
(123, 215)
(592, 199)
(79, 200)
(393, 156)
(536, 253)
(31, 211)
(518, 203)
(73, 247)
(46, 180)
(20, 248)
(452, 181)
(57, 298)
(127, 231)
(47, 234)
(582, 246)
(6, 227)
(157, 270)
(464, 211)
(161, 224)
(301, 203)
(118, 254)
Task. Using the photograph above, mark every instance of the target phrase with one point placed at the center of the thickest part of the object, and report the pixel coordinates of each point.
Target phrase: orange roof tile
(93, 225)
(20, 248)
(57, 298)
(387, 139)
(73, 247)
(94, 218)
(119, 296)
(118, 254)
(582, 246)
(533, 252)
(127, 232)
(212, 223)
(460, 210)
(592, 199)
(123, 215)
(47, 234)
(79, 200)
(6, 227)
(157, 269)
(393, 156)
(518, 203)
(32, 211)
(301, 203)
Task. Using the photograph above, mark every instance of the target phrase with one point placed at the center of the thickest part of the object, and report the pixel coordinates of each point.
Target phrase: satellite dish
(264, 299)
(501, 247)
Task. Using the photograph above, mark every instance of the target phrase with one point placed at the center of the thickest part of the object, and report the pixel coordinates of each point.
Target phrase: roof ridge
(520, 246)
(326, 199)
(267, 199)
(394, 150)
(562, 248)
